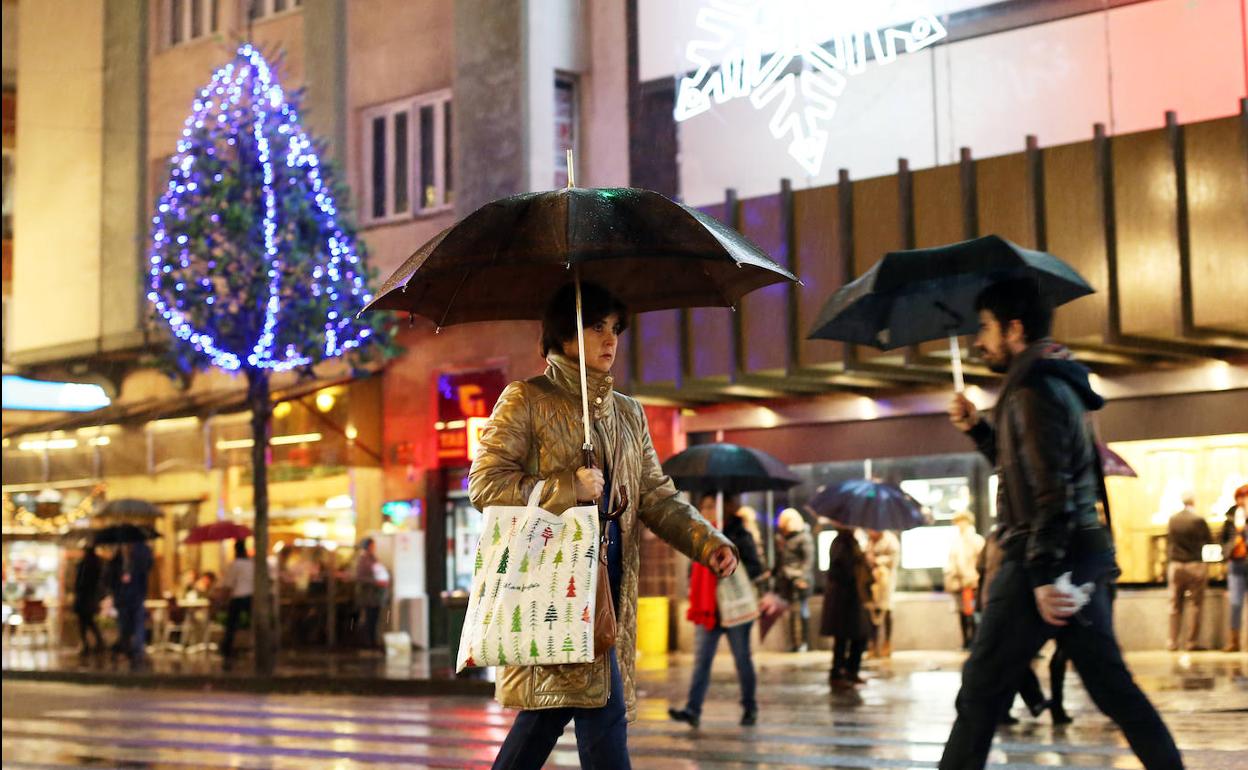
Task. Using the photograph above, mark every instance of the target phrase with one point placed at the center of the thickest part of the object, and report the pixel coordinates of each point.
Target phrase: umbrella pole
(955, 355)
(719, 509)
(580, 348)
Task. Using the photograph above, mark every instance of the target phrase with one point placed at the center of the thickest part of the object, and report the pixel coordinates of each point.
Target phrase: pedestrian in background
(371, 581)
(238, 585)
(707, 628)
(749, 519)
(136, 566)
(796, 574)
(87, 585)
(1235, 551)
(883, 557)
(962, 574)
(1187, 534)
(847, 594)
(1050, 474)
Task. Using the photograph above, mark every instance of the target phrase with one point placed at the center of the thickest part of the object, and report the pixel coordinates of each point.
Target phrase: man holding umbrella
(1050, 483)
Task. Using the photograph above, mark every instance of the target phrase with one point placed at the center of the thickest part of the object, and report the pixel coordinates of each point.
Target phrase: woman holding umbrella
(845, 615)
(535, 433)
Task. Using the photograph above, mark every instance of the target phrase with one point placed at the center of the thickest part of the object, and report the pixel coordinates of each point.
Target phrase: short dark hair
(1018, 299)
(559, 321)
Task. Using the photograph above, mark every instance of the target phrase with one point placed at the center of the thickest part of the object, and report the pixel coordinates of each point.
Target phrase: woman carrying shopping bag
(535, 434)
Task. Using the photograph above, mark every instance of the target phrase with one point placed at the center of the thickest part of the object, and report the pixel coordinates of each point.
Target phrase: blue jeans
(706, 643)
(132, 620)
(1236, 586)
(601, 733)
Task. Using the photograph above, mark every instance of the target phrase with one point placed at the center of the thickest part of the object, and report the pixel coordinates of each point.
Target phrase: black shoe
(749, 718)
(1008, 720)
(1040, 708)
(684, 715)
(1060, 717)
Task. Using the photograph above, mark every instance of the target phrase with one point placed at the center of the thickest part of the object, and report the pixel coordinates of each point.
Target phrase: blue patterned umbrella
(867, 504)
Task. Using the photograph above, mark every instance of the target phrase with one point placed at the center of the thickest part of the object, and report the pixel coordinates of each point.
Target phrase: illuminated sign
(798, 54)
(23, 393)
(465, 400)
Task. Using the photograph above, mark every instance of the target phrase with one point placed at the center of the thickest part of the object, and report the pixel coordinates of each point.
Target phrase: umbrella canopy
(217, 531)
(728, 468)
(867, 504)
(131, 508)
(926, 294)
(507, 259)
(1112, 463)
(123, 533)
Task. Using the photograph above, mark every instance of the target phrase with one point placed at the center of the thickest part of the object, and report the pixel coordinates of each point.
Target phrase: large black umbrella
(507, 259)
(867, 504)
(128, 507)
(925, 294)
(728, 468)
(123, 533)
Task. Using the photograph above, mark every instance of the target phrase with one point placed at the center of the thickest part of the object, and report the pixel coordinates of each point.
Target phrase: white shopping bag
(736, 599)
(533, 586)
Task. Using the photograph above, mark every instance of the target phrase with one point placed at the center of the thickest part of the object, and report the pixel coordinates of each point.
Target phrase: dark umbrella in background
(919, 295)
(123, 533)
(867, 504)
(130, 508)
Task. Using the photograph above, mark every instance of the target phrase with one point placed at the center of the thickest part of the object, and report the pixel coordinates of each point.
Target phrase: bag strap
(536, 494)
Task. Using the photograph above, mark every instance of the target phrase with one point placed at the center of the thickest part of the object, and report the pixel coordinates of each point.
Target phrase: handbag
(535, 587)
(736, 599)
(604, 616)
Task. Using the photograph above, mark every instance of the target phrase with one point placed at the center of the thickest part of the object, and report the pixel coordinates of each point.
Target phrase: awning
(200, 405)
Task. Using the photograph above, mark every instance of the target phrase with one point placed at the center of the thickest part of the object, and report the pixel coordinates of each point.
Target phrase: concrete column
(490, 106)
(125, 208)
(325, 74)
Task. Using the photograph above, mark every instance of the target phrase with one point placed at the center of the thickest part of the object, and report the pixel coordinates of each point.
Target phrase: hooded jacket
(1040, 442)
(536, 433)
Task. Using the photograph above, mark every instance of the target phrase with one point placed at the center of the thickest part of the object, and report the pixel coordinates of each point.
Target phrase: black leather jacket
(1047, 460)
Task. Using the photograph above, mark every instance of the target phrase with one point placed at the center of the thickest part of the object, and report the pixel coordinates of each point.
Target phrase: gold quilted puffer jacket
(536, 433)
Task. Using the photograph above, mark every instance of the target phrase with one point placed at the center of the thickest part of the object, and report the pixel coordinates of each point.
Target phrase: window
(407, 158)
(188, 20)
(566, 118)
(263, 9)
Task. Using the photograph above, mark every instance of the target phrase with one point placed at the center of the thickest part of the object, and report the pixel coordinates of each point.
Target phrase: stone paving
(899, 719)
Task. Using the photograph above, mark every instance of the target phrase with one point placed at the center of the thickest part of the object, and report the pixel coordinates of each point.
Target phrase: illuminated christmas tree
(253, 266)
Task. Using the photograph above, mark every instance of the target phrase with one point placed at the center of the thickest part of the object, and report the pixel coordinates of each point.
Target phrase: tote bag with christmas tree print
(534, 582)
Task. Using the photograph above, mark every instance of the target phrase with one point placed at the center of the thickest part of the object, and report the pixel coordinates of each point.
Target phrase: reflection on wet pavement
(899, 719)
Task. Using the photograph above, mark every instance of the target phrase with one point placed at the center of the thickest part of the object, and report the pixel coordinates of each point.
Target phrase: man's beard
(1001, 364)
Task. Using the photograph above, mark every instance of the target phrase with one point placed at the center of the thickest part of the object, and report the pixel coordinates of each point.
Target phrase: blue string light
(232, 295)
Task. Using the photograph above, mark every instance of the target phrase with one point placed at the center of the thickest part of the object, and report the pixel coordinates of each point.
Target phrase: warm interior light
(282, 410)
(325, 401)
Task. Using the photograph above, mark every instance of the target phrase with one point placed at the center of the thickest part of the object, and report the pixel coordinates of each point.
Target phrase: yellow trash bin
(652, 613)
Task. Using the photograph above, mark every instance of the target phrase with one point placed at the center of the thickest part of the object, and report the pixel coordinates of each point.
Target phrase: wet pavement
(899, 719)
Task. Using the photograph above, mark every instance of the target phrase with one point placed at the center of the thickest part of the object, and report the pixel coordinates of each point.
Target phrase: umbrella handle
(955, 355)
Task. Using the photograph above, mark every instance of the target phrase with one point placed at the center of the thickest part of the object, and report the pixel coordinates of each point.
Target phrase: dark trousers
(88, 628)
(1057, 679)
(132, 620)
(601, 733)
(1012, 632)
(705, 644)
(372, 616)
(233, 615)
(847, 657)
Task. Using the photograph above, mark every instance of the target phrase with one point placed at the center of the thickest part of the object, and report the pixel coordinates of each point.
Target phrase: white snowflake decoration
(757, 48)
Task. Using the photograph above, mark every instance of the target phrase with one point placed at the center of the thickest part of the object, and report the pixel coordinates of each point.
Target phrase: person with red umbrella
(238, 584)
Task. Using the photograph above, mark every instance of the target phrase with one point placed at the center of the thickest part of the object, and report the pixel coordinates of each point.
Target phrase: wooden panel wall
(1145, 208)
(877, 231)
(710, 330)
(764, 313)
(1217, 203)
(1075, 231)
(821, 266)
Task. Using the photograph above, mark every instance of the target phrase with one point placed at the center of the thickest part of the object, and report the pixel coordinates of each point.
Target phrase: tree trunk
(261, 602)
